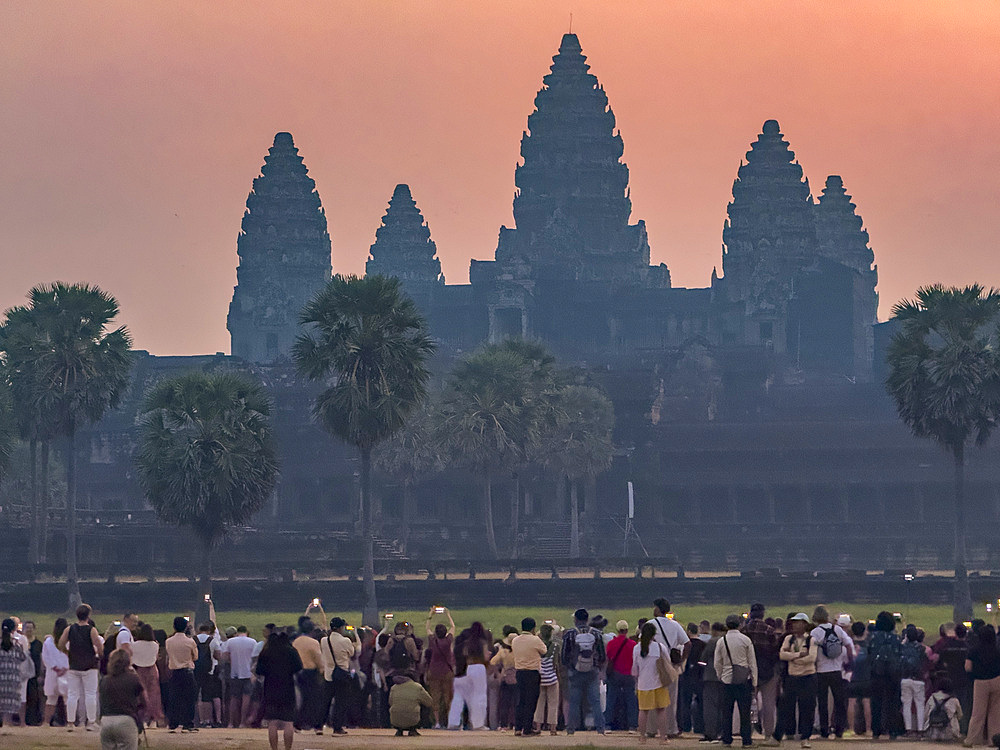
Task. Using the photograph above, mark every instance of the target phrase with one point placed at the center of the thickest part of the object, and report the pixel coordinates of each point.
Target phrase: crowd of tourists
(795, 678)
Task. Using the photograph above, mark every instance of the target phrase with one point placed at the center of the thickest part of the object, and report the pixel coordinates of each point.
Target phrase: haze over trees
(945, 380)
(206, 455)
(367, 343)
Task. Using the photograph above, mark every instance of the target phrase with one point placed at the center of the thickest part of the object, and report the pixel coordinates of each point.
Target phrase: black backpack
(203, 664)
(399, 657)
(939, 718)
(883, 653)
(912, 660)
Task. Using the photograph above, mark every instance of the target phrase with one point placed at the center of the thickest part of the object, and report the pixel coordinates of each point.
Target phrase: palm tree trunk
(407, 512)
(43, 532)
(574, 519)
(515, 514)
(488, 512)
(72, 576)
(205, 577)
(369, 610)
(36, 516)
(963, 594)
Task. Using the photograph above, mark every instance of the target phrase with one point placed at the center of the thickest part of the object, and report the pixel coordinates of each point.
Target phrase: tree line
(206, 458)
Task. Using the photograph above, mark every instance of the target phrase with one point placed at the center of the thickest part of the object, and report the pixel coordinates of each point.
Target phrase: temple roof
(403, 246)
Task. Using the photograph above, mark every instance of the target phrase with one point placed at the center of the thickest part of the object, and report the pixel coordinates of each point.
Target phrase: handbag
(741, 674)
(666, 670)
(676, 654)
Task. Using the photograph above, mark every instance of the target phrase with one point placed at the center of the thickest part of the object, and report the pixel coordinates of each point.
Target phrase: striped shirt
(548, 671)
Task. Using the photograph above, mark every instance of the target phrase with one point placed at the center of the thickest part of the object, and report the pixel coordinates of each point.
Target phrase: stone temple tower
(403, 246)
(572, 205)
(284, 256)
(769, 237)
(842, 238)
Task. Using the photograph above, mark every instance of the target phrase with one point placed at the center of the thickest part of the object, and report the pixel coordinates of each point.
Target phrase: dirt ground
(38, 738)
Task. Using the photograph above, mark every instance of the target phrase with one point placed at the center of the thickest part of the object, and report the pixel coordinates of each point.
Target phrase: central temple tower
(572, 206)
(284, 250)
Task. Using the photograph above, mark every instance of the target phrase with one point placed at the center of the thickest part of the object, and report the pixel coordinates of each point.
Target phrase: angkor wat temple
(750, 413)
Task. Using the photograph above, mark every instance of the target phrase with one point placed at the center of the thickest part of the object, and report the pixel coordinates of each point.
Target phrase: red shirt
(619, 651)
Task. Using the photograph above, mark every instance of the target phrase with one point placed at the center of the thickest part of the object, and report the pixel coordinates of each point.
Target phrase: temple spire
(572, 206)
(403, 246)
(284, 256)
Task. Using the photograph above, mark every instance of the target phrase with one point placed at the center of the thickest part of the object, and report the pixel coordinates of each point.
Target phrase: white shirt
(124, 636)
(144, 653)
(824, 664)
(241, 649)
(675, 634)
(52, 657)
(647, 676)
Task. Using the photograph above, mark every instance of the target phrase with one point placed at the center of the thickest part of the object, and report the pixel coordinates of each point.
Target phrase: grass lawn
(928, 617)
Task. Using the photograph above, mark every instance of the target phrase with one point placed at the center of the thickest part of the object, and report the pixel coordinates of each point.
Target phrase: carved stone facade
(284, 252)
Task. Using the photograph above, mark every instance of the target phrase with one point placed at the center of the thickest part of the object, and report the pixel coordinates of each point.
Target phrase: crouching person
(405, 700)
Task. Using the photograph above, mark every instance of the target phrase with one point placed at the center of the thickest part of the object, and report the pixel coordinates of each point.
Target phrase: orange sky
(130, 132)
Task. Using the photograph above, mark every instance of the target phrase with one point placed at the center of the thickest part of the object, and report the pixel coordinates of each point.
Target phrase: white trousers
(470, 692)
(82, 684)
(912, 693)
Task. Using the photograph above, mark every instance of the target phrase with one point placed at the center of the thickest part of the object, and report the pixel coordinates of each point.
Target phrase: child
(405, 700)
(943, 714)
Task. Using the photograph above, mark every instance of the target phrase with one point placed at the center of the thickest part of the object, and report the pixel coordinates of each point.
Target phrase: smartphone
(316, 602)
(350, 627)
(439, 610)
(670, 615)
(389, 615)
(968, 623)
(989, 607)
(897, 616)
(117, 623)
(746, 615)
(871, 622)
(550, 622)
(208, 597)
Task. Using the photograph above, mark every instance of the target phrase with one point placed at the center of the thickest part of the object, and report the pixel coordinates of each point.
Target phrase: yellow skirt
(650, 700)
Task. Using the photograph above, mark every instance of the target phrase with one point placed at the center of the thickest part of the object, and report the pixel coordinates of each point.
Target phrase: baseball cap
(802, 616)
(621, 625)
(230, 631)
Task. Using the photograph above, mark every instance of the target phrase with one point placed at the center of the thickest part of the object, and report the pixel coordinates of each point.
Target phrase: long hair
(118, 663)
(986, 640)
(646, 637)
(58, 628)
(144, 632)
(7, 642)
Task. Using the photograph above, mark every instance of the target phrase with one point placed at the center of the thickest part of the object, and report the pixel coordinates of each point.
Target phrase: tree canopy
(206, 457)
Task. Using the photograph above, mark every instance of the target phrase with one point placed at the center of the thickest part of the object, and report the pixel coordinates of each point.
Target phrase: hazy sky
(131, 131)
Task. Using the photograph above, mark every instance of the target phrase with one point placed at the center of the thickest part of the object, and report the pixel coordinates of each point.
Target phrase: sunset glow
(132, 131)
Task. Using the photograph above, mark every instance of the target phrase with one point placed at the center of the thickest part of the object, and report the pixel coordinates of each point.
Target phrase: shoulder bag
(741, 674)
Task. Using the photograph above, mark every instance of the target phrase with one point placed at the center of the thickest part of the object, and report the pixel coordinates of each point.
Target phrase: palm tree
(368, 342)
(579, 445)
(493, 411)
(206, 456)
(22, 341)
(78, 369)
(409, 456)
(944, 376)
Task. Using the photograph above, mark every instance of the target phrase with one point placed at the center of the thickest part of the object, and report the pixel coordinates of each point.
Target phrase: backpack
(203, 664)
(831, 646)
(862, 672)
(912, 660)
(938, 718)
(883, 653)
(586, 644)
(399, 657)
